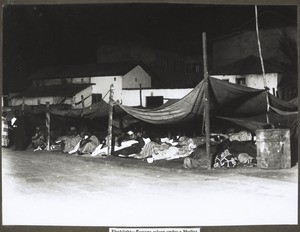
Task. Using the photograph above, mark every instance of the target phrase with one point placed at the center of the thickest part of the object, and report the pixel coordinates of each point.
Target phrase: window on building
(241, 81)
(197, 68)
(154, 101)
(96, 97)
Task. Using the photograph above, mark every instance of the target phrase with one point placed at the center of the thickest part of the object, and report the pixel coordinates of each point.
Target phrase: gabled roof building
(82, 85)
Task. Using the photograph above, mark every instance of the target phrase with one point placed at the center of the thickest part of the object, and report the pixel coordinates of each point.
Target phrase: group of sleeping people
(88, 144)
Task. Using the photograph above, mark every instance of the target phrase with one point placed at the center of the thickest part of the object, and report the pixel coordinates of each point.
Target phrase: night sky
(41, 36)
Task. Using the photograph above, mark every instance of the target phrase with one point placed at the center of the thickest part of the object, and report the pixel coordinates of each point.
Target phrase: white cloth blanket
(103, 151)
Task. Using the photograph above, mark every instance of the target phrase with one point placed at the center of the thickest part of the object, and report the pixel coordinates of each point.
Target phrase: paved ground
(45, 188)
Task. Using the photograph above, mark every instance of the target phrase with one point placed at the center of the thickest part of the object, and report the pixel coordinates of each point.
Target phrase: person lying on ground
(86, 145)
(120, 143)
(134, 148)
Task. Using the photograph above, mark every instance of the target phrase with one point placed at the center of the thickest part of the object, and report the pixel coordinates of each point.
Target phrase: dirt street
(46, 188)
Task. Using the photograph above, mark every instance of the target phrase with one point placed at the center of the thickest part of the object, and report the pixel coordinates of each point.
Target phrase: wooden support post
(110, 118)
(48, 125)
(141, 102)
(206, 102)
(82, 101)
(23, 105)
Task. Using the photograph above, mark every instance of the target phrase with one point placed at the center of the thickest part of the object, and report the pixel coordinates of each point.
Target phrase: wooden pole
(262, 64)
(23, 105)
(206, 102)
(110, 118)
(82, 101)
(141, 102)
(48, 125)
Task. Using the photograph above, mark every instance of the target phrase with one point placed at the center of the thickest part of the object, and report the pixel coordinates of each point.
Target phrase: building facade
(82, 88)
(168, 69)
(255, 81)
(237, 53)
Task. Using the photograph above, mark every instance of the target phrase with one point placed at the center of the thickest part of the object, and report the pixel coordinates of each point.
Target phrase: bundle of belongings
(228, 151)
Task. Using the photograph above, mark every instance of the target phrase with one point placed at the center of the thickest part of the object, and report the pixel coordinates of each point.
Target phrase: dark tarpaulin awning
(259, 121)
(99, 109)
(96, 110)
(226, 100)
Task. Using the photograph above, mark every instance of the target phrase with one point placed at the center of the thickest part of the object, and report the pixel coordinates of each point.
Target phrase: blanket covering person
(70, 142)
(101, 150)
(88, 144)
(240, 136)
(154, 151)
(133, 149)
(225, 160)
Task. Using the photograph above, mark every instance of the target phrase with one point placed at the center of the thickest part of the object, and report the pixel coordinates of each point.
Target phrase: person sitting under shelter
(38, 141)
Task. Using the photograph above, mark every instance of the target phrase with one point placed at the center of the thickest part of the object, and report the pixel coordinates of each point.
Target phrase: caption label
(154, 229)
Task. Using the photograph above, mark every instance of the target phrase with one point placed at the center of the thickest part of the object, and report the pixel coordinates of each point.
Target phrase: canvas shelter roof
(242, 105)
(96, 110)
(227, 100)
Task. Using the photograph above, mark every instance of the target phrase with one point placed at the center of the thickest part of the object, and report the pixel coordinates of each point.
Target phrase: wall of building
(135, 77)
(132, 97)
(257, 82)
(87, 96)
(102, 86)
(168, 68)
(38, 100)
(254, 80)
(60, 81)
(241, 45)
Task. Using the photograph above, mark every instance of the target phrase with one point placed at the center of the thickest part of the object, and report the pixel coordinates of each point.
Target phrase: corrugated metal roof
(68, 90)
(84, 70)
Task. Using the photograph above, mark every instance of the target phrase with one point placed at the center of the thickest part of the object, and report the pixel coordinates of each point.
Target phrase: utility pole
(110, 118)
(206, 101)
(48, 124)
(262, 64)
(141, 102)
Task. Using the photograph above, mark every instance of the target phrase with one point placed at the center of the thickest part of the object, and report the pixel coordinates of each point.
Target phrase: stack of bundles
(239, 149)
(227, 151)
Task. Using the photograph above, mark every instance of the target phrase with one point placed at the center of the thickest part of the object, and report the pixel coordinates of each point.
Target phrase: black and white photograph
(177, 114)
